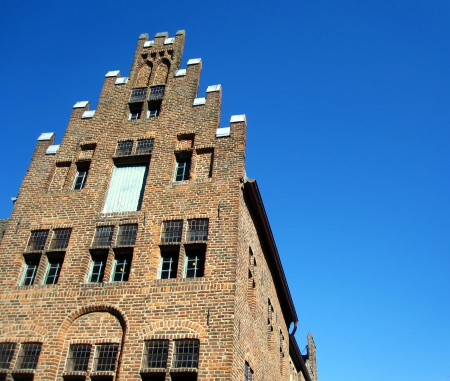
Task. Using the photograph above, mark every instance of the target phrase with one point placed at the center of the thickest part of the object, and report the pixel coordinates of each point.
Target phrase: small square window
(121, 268)
(37, 240)
(105, 357)
(197, 230)
(154, 109)
(28, 356)
(186, 354)
(135, 111)
(53, 270)
(97, 268)
(144, 146)
(155, 354)
(78, 358)
(60, 239)
(168, 264)
(124, 148)
(6, 354)
(195, 263)
(182, 168)
(103, 236)
(171, 231)
(127, 235)
(80, 177)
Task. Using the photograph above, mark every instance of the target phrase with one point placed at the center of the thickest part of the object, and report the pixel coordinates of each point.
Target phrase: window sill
(153, 370)
(183, 370)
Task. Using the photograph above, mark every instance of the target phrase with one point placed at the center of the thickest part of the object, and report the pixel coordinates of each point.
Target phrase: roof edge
(297, 358)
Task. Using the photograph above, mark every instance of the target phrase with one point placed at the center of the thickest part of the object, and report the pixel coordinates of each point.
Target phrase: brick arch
(161, 73)
(143, 74)
(38, 332)
(162, 324)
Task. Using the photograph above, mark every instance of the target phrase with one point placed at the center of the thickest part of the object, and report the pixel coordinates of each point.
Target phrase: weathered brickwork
(133, 274)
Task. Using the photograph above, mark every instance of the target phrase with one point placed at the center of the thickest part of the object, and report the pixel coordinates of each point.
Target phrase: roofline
(297, 357)
(251, 187)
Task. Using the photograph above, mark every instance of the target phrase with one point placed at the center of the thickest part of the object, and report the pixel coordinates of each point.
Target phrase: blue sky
(348, 137)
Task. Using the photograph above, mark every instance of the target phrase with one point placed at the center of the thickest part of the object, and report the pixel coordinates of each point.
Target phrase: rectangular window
(186, 354)
(135, 111)
(60, 239)
(138, 95)
(126, 188)
(53, 270)
(31, 266)
(124, 148)
(78, 358)
(121, 268)
(155, 354)
(248, 373)
(154, 108)
(144, 146)
(171, 231)
(97, 268)
(103, 236)
(28, 356)
(37, 240)
(195, 263)
(156, 92)
(105, 357)
(80, 177)
(6, 354)
(168, 264)
(182, 168)
(197, 230)
(126, 235)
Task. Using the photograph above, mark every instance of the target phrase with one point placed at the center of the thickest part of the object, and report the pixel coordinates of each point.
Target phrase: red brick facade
(99, 270)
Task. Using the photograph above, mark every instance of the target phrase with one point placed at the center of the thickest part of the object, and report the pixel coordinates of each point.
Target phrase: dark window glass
(53, 270)
(144, 146)
(60, 239)
(97, 268)
(78, 357)
(155, 355)
(37, 240)
(248, 373)
(80, 178)
(171, 231)
(6, 354)
(122, 265)
(197, 230)
(138, 95)
(169, 264)
(105, 357)
(124, 148)
(127, 235)
(156, 92)
(31, 266)
(195, 264)
(186, 354)
(182, 168)
(28, 356)
(154, 108)
(103, 236)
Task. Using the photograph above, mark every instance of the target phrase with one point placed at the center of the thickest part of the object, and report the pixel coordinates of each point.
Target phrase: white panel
(213, 88)
(88, 114)
(148, 44)
(180, 72)
(81, 104)
(114, 73)
(162, 34)
(194, 61)
(46, 136)
(199, 101)
(52, 149)
(121, 81)
(126, 187)
(221, 132)
(237, 118)
(168, 41)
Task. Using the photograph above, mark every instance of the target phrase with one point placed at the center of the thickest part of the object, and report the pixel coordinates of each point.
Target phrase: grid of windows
(105, 357)
(78, 358)
(31, 266)
(127, 235)
(186, 354)
(171, 231)
(80, 178)
(53, 270)
(122, 265)
(103, 236)
(138, 95)
(248, 373)
(169, 264)
(182, 168)
(144, 146)
(37, 240)
(197, 230)
(60, 239)
(155, 354)
(97, 268)
(124, 148)
(195, 264)
(29, 356)
(6, 354)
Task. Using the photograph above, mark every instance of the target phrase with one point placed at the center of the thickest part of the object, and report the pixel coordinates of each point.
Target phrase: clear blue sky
(348, 115)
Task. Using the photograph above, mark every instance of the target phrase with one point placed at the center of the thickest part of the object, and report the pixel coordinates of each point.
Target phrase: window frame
(7, 350)
(66, 232)
(162, 357)
(171, 257)
(182, 168)
(58, 261)
(25, 276)
(186, 361)
(99, 235)
(193, 233)
(95, 259)
(72, 365)
(79, 181)
(41, 241)
(105, 348)
(198, 257)
(25, 356)
(122, 259)
(172, 231)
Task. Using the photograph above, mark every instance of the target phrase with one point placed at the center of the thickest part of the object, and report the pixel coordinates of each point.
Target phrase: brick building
(138, 248)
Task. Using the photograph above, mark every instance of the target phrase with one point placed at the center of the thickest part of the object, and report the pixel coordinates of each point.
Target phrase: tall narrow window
(6, 354)
(186, 354)
(81, 176)
(78, 358)
(121, 268)
(195, 263)
(171, 231)
(60, 239)
(127, 235)
(197, 230)
(97, 268)
(28, 356)
(155, 354)
(37, 240)
(103, 236)
(182, 168)
(31, 265)
(248, 373)
(105, 357)
(53, 270)
(168, 264)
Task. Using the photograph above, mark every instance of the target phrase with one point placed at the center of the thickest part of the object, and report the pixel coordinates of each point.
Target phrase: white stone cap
(143, 36)
(180, 32)
(114, 73)
(222, 132)
(88, 114)
(81, 104)
(162, 34)
(213, 88)
(52, 149)
(199, 101)
(46, 136)
(238, 118)
(194, 61)
(180, 73)
(147, 44)
(121, 80)
(169, 40)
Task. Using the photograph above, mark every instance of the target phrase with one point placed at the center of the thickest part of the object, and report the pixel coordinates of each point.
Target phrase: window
(80, 178)
(28, 356)
(103, 236)
(6, 354)
(168, 264)
(186, 354)
(154, 108)
(105, 357)
(144, 146)
(155, 354)
(135, 111)
(156, 92)
(97, 268)
(53, 270)
(126, 188)
(138, 95)
(37, 240)
(127, 235)
(60, 239)
(78, 358)
(182, 168)
(197, 230)
(248, 373)
(121, 269)
(171, 231)
(31, 266)
(124, 148)
(195, 263)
